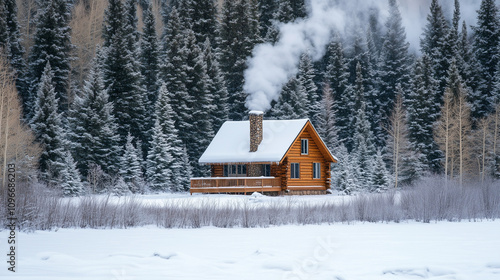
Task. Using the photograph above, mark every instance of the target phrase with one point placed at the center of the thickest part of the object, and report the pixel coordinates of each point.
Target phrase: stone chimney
(256, 130)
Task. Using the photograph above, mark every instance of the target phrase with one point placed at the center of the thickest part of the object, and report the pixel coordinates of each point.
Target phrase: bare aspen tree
(26, 12)
(453, 134)
(16, 140)
(443, 131)
(462, 116)
(397, 131)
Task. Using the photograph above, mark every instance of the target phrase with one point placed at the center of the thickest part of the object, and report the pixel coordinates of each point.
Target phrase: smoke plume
(272, 65)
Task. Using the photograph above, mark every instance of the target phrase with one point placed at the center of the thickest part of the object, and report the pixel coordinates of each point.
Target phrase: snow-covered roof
(232, 142)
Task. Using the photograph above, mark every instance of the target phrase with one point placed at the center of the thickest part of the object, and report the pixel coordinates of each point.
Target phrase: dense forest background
(124, 96)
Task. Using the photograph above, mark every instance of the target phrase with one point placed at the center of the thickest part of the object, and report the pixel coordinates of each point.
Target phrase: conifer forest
(123, 96)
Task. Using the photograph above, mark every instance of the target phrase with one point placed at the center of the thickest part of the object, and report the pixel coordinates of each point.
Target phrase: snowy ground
(466, 250)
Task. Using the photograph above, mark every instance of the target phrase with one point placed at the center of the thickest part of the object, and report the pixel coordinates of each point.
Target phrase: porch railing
(235, 184)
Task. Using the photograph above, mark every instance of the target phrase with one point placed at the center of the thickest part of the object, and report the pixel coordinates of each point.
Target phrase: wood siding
(306, 184)
(306, 163)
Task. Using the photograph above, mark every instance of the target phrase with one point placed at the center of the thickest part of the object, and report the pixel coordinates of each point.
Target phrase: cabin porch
(235, 185)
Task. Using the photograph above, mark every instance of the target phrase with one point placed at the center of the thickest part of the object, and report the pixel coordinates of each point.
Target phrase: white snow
(466, 250)
(232, 142)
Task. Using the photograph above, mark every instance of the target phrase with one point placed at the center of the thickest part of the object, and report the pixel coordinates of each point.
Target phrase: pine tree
(52, 44)
(290, 104)
(267, 8)
(486, 41)
(283, 14)
(159, 161)
(122, 75)
(216, 86)
(239, 32)
(381, 179)
(93, 131)
(423, 111)
(186, 173)
(130, 166)
(467, 66)
(364, 148)
(69, 178)
(394, 62)
(204, 20)
(345, 172)
(47, 126)
(306, 79)
(198, 138)
(150, 69)
(4, 35)
(434, 44)
(150, 59)
(14, 50)
(173, 73)
(165, 116)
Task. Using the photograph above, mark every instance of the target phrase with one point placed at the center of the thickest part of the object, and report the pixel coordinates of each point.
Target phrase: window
(316, 170)
(295, 171)
(304, 147)
(266, 170)
(235, 170)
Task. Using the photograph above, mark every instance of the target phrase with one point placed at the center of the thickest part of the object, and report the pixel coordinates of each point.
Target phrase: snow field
(407, 250)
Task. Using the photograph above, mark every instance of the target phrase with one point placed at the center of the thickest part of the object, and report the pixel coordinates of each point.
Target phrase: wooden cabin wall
(306, 163)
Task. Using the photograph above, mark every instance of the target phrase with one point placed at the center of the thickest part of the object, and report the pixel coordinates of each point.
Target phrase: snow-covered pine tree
(423, 111)
(122, 75)
(291, 103)
(381, 179)
(93, 137)
(217, 87)
(150, 60)
(159, 161)
(468, 64)
(486, 42)
(47, 127)
(336, 77)
(204, 20)
(239, 33)
(283, 14)
(306, 79)
(326, 120)
(51, 44)
(267, 8)
(14, 50)
(172, 71)
(69, 178)
(186, 173)
(345, 172)
(150, 70)
(363, 147)
(164, 115)
(394, 67)
(197, 85)
(130, 166)
(4, 35)
(434, 44)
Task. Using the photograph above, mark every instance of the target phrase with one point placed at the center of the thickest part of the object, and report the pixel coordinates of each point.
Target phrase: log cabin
(273, 157)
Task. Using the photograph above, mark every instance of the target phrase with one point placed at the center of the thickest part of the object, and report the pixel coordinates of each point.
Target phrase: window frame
(294, 170)
(304, 146)
(265, 169)
(316, 170)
